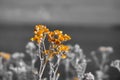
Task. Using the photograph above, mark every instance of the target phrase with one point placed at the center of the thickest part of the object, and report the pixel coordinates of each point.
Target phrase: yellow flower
(58, 32)
(54, 36)
(6, 56)
(63, 56)
(39, 31)
(67, 37)
(57, 50)
(51, 55)
(41, 28)
(49, 52)
(57, 37)
(37, 38)
(46, 52)
(63, 48)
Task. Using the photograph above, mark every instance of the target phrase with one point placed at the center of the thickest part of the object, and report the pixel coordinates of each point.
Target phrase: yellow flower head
(6, 56)
(41, 28)
(50, 53)
(39, 32)
(57, 50)
(57, 37)
(46, 52)
(63, 56)
(67, 37)
(63, 48)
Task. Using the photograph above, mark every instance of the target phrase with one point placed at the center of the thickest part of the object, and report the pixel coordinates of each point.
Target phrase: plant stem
(43, 68)
(58, 62)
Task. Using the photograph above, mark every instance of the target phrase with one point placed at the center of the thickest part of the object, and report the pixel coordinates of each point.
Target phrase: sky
(66, 11)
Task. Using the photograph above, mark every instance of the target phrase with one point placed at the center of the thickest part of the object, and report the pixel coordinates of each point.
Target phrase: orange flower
(51, 55)
(54, 36)
(37, 38)
(67, 37)
(63, 56)
(40, 31)
(41, 28)
(57, 37)
(5, 55)
(63, 48)
(58, 32)
(46, 52)
(57, 50)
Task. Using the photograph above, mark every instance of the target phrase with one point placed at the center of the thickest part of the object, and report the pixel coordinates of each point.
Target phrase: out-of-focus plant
(18, 66)
(116, 64)
(6, 56)
(76, 63)
(4, 60)
(31, 50)
(101, 62)
(55, 50)
(88, 76)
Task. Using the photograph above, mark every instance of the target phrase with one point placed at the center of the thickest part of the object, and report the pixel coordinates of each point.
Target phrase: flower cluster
(58, 37)
(40, 31)
(56, 47)
(55, 36)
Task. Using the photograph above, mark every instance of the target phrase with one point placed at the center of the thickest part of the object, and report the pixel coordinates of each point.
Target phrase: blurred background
(91, 23)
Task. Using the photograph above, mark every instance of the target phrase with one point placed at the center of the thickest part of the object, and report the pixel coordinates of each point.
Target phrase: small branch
(95, 59)
(43, 68)
(58, 62)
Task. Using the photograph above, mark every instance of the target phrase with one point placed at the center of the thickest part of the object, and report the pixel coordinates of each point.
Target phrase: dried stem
(58, 62)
